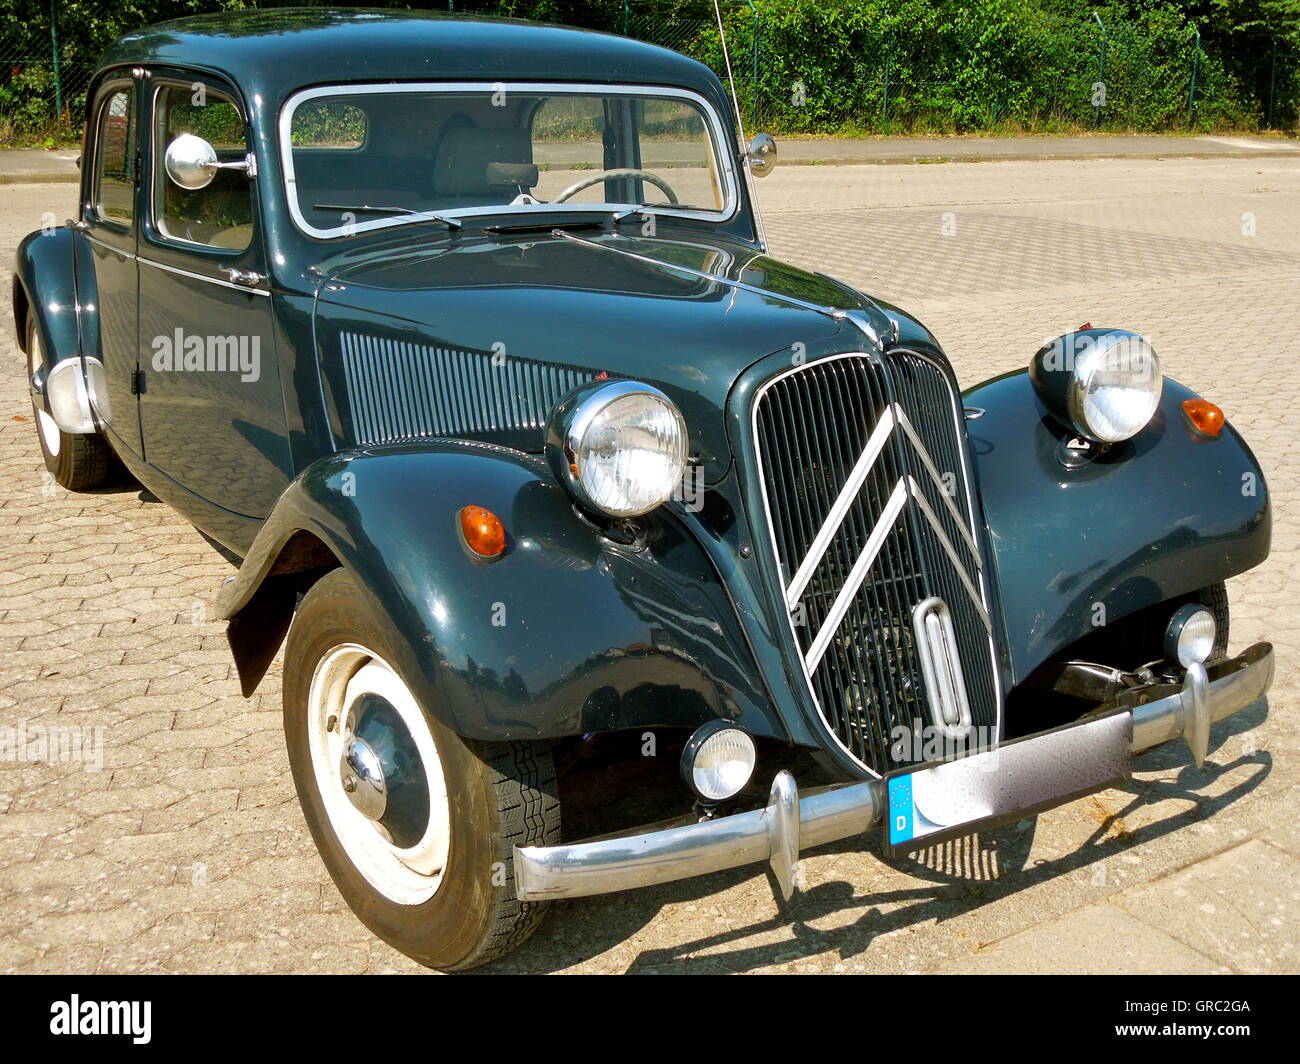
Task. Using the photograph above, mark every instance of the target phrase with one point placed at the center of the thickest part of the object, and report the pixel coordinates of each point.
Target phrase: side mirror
(192, 163)
(761, 155)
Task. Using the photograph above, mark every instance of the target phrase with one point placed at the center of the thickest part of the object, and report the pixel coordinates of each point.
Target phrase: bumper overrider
(918, 806)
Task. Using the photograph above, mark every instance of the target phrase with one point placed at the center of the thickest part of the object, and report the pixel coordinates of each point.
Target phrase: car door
(211, 410)
(108, 223)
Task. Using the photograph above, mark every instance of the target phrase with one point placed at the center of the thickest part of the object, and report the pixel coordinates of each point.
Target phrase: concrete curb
(792, 154)
(1028, 157)
(59, 177)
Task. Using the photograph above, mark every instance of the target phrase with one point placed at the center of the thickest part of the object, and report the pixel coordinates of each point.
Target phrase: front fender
(567, 633)
(1163, 515)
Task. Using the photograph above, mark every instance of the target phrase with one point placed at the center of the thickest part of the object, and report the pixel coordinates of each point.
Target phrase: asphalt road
(186, 850)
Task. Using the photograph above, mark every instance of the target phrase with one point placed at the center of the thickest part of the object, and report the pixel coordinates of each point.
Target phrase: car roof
(273, 52)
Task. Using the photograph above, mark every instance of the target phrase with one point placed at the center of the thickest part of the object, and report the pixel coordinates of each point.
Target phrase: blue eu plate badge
(902, 811)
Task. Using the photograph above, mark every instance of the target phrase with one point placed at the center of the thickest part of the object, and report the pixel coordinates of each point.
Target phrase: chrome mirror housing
(192, 162)
(761, 155)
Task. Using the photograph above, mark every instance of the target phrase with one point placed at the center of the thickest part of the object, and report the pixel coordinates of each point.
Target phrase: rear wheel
(77, 461)
(416, 825)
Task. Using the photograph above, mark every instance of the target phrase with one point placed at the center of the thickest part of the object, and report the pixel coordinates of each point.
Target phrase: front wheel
(416, 825)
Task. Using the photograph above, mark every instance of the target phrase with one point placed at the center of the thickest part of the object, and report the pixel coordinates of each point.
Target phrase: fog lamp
(1189, 639)
(718, 760)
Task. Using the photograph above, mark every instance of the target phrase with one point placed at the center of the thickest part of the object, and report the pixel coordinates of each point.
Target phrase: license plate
(932, 803)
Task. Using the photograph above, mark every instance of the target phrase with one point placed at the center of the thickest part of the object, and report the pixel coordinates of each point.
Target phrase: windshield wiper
(640, 208)
(366, 208)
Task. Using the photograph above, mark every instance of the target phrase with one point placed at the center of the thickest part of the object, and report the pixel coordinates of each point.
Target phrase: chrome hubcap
(378, 773)
(363, 779)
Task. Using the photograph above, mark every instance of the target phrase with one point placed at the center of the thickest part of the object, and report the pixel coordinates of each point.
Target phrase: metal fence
(796, 74)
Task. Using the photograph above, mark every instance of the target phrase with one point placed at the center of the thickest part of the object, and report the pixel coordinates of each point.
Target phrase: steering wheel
(606, 175)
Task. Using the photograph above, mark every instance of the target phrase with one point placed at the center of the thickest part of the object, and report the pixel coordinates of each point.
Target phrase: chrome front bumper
(791, 823)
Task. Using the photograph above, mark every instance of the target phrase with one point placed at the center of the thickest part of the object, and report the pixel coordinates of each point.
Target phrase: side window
(113, 196)
(220, 215)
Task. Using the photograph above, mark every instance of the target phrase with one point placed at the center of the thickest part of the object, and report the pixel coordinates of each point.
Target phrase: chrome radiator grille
(862, 477)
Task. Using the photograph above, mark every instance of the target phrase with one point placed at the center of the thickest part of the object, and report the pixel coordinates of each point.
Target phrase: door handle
(248, 278)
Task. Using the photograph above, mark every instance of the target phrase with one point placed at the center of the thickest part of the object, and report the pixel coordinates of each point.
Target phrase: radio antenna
(731, 80)
(740, 128)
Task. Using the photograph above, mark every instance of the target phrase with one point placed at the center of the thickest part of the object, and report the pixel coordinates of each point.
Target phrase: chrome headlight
(618, 446)
(1105, 384)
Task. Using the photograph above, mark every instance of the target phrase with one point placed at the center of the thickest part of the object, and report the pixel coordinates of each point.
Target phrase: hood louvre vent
(402, 391)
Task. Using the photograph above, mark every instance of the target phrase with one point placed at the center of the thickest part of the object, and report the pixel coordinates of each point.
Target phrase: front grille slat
(812, 427)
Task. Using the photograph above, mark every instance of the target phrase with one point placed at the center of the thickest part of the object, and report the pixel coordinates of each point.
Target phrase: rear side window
(115, 136)
(220, 215)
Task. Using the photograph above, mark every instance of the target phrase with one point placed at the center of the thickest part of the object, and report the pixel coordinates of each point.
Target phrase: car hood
(551, 310)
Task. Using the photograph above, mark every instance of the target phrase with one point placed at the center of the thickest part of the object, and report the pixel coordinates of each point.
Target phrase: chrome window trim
(985, 588)
(157, 152)
(726, 159)
(92, 203)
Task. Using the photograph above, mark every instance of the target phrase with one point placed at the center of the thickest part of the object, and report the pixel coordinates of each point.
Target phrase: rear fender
(47, 272)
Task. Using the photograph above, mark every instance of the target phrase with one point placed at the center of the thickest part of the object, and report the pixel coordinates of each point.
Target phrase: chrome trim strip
(680, 851)
(201, 277)
(110, 247)
(835, 518)
(951, 551)
(177, 270)
(930, 468)
(889, 515)
(722, 153)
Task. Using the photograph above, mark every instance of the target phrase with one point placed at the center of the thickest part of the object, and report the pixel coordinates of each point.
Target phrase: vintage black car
(462, 335)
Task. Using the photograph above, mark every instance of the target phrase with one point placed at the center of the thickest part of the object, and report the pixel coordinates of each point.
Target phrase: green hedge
(834, 66)
(882, 66)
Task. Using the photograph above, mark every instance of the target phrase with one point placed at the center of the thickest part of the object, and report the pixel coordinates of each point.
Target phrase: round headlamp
(1105, 384)
(1189, 639)
(618, 446)
(718, 760)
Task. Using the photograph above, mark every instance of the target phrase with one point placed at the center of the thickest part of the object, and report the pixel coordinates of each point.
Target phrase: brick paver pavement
(186, 851)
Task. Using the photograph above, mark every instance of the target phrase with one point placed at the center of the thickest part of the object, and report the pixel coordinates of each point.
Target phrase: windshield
(365, 157)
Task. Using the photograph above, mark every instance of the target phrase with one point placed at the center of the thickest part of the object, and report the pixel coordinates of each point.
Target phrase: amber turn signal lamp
(1206, 418)
(483, 532)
